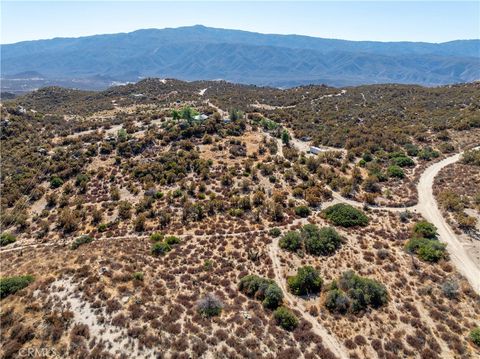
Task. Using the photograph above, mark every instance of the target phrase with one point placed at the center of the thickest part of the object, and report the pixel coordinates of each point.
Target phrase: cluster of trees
(313, 240)
(425, 244)
(345, 215)
(271, 296)
(353, 293)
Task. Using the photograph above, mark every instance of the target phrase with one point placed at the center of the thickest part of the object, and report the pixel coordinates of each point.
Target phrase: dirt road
(428, 207)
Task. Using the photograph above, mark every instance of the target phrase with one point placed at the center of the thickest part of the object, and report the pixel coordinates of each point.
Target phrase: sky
(430, 21)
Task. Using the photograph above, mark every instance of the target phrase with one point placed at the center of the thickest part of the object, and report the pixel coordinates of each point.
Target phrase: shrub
(160, 248)
(172, 240)
(254, 286)
(285, 318)
(429, 250)
(307, 281)
(11, 285)
(84, 239)
(302, 211)
(450, 289)
(56, 182)
(475, 336)
(209, 306)
(157, 236)
(361, 292)
(403, 161)
(275, 232)
(323, 241)
(395, 171)
(425, 229)
(7, 238)
(291, 241)
(345, 215)
(138, 275)
(273, 296)
(471, 157)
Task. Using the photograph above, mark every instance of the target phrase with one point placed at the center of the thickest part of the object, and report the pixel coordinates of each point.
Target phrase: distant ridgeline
(201, 53)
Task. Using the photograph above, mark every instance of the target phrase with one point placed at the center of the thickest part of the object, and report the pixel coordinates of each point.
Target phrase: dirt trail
(428, 207)
(329, 340)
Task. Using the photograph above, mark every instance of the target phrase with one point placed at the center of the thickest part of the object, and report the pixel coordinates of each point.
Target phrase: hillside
(133, 226)
(198, 52)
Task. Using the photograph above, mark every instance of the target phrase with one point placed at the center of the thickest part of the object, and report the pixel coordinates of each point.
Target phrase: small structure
(226, 120)
(305, 139)
(201, 117)
(315, 150)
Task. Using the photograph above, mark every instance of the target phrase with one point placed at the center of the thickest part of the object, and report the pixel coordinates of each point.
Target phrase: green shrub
(56, 182)
(273, 296)
(11, 285)
(172, 240)
(275, 232)
(471, 157)
(285, 318)
(254, 286)
(475, 336)
(102, 227)
(302, 211)
(138, 275)
(84, 239)
(425, 229)
(411, 149)
(361, 292)
(323, 241)
(403, 161)
(7, 238)
(307, 281)
(429, 250)
(427, 154)
(157, 236)
(291, 241)
(345, 215)
(160, 248)
(395, 171)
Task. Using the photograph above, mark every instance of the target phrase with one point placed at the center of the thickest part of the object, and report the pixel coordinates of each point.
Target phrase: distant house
(315, 150)
(201, 117)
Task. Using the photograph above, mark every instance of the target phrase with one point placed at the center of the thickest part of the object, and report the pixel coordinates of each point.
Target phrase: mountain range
(199, 52)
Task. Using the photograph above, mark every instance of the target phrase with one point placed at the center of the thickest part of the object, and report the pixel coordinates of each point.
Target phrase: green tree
(425, 229)
(285, 137)
(291, 241)
(307, 281)
(345, 215)
(273, 296)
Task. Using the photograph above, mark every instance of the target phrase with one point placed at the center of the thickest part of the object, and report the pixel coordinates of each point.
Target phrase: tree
(56, 182)
(307, 281)
(285, 318)
(273, 296)
(345, 215)
(324, 241)
(337, 301)
(429, 250)
(425, 229)
(302, 211)
(160, 248)
(291, 241)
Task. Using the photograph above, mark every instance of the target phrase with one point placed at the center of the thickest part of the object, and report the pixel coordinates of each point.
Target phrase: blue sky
(432, 21)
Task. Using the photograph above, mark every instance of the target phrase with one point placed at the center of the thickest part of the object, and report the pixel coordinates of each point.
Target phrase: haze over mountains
(198, 52)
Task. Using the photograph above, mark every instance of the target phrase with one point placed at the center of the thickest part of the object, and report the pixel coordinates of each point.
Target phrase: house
(201, 117)
(315, 150)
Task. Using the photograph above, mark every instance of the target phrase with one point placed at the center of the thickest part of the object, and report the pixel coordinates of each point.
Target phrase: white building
(315, 150)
